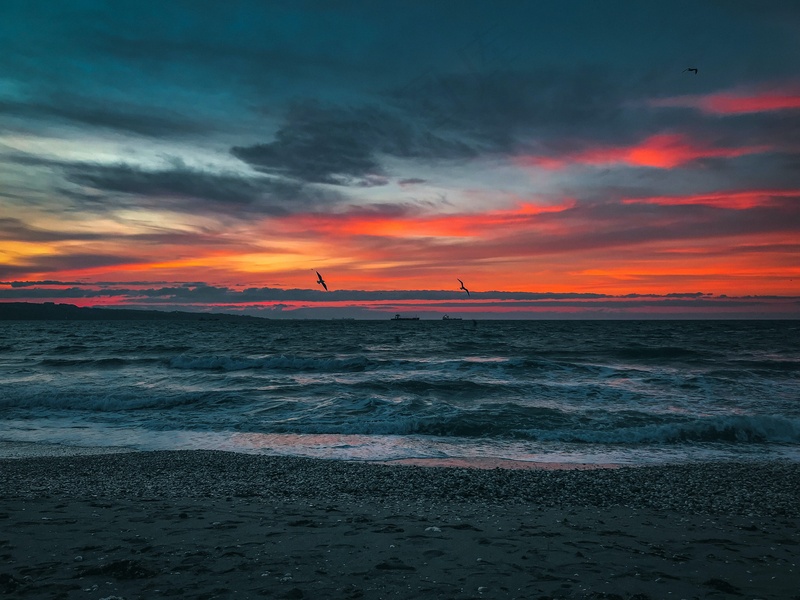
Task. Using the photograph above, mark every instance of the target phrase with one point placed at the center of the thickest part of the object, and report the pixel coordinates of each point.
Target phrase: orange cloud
(457, 225)
(731, 103)
(730, 200)
(661, 151)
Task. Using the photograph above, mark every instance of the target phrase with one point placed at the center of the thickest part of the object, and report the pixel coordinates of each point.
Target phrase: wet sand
(220, 525)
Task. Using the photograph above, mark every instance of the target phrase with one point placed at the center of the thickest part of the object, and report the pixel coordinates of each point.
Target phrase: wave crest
(279, 362)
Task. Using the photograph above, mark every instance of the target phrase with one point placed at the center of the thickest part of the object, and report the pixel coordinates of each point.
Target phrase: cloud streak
(735, 103)
(190, 189)
(661, 151)
(66, 109)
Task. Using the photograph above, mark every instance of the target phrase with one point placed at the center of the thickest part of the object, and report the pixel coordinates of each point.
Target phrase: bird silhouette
(691, 69)
(462, 286)
(321, 281)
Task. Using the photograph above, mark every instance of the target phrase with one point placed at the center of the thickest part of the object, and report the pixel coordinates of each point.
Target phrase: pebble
(741, 488)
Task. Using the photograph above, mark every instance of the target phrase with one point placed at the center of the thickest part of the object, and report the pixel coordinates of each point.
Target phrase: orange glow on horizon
(643, 305)
(567, 247)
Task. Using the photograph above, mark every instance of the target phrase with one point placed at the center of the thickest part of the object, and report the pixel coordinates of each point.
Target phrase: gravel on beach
(216, 525)
(747, 488)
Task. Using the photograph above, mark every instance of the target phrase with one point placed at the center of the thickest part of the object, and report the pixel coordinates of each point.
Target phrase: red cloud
(733, 103)
(730, 200)
(662, 151)
(361, 223)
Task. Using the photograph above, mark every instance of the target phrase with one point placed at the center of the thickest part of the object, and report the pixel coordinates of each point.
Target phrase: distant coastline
(49, 311)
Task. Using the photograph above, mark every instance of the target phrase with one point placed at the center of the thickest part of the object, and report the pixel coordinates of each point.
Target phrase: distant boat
(399, 318)
(449, 318)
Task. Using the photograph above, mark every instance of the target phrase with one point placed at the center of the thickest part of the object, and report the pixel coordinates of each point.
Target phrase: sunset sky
(556, 156)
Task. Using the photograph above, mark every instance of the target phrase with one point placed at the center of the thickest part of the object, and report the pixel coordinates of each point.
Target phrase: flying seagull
(691, 69)
(462, 286)
(321, 281)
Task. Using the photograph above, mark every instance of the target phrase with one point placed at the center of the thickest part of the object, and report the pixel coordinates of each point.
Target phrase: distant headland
(49, 311)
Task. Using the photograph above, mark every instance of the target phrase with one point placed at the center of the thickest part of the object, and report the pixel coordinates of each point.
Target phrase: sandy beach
(221, 525)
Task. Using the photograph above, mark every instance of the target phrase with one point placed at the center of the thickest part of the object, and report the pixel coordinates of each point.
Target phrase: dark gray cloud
(181, 188)
(178, 182)
(204, 293)
(343, 146)
(99, 113)
(70, 292)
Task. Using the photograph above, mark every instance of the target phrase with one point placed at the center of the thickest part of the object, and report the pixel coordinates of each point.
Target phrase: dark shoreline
(50, 311)
(747, 488)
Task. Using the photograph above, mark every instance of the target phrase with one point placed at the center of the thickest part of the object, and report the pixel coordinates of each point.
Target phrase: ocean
(431, 392)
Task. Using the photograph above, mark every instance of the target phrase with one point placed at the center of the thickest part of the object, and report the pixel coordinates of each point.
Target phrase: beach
(209, 524)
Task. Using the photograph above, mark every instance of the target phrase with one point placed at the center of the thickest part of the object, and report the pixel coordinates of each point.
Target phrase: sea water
(567, 392)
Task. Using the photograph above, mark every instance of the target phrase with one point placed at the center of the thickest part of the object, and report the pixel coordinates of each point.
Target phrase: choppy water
(558, 391)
